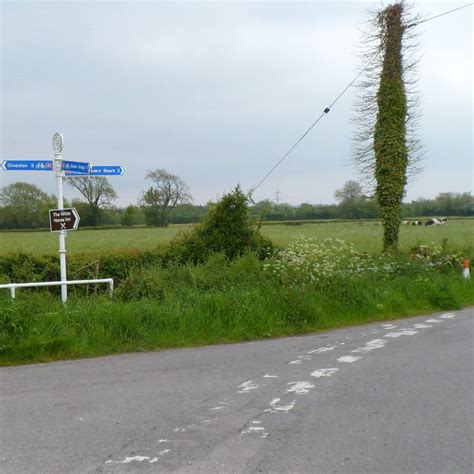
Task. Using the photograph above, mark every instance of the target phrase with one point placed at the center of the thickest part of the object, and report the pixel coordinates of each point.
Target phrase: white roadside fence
(13, 286)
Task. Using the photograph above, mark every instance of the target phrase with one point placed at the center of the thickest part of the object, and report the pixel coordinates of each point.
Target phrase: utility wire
(440, 15)
(327, 109)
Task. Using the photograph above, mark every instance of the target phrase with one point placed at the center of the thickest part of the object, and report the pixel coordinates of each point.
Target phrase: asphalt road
(383, 398)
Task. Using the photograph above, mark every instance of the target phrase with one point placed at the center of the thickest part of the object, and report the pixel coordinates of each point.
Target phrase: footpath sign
(63, 219)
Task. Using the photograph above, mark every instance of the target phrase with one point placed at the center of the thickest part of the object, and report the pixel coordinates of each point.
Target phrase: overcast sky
(216, 92)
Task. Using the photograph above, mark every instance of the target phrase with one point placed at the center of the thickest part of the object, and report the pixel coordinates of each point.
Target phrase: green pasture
(366, 236)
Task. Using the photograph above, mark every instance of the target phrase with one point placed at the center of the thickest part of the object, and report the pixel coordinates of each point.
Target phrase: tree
(99, 194)
(159, 200)
(131, 216)
(387, 150)
(26, 206)
(351, 192)
(227, 229)
(353, 203)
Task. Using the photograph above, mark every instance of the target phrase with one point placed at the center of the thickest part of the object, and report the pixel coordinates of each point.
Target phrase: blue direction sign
(107, 170)
(27, 165)
(102, 170)
(76, 167)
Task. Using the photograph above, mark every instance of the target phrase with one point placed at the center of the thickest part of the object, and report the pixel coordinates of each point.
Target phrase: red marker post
(466, 273)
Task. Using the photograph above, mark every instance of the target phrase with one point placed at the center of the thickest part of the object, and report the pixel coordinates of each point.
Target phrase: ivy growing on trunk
(387, 150)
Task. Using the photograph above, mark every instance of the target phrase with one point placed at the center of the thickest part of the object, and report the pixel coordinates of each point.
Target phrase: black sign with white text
(63, 219)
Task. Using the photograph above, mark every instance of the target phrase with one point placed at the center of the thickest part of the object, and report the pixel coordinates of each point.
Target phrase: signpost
(58, 144)
(61, 220)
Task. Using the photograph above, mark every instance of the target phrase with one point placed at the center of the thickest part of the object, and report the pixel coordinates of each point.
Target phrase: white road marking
(447, 316)
(348, 359)
(275, 407)
(324, 372)
(434, 320)
(220, 406)
(247, 387)
(322, 349)
(255, 429)
(405, 332)
(304, 357)
(135, 458)
(389, 326)
(208, 421)
(163, 441)
(301, 388)
(422, 326)
(130, 459)
(370, 346)
(267, 376)
(297, 361)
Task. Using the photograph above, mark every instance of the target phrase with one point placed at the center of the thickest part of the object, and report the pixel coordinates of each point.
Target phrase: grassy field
(366, 236)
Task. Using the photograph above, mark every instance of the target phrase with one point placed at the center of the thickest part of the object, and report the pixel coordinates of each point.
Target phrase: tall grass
(215, 302)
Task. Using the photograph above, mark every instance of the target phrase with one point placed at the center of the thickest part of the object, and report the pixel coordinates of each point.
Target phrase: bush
(226, 229)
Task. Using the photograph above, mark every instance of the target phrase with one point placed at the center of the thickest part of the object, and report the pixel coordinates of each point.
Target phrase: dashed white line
(274, 407)
(246, 387)
(324, 372)
(348, 359)
(322, 349)
(447, 316)
(301, 388)
(370, 346)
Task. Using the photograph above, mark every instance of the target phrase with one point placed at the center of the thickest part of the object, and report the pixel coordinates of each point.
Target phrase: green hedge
(25, 267)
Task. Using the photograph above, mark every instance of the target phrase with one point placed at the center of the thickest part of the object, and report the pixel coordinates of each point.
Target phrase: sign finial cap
(58, 142)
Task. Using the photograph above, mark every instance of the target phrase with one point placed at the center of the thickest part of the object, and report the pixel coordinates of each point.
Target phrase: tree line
(168, 201)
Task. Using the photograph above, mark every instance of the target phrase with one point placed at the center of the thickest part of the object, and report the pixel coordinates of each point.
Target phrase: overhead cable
(328, 109)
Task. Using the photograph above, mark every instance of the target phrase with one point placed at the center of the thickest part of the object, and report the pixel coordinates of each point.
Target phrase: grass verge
(216, 302)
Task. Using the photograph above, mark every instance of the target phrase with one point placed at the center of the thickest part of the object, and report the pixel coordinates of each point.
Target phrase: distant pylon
(277, 194)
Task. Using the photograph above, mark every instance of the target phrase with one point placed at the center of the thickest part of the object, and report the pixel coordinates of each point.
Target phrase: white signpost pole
(58, 157)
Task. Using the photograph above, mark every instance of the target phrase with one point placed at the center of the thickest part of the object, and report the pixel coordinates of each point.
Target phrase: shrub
(311, 261)
(226, 229)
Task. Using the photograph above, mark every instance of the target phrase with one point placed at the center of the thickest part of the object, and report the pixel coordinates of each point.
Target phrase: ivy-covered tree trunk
(390, 147)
